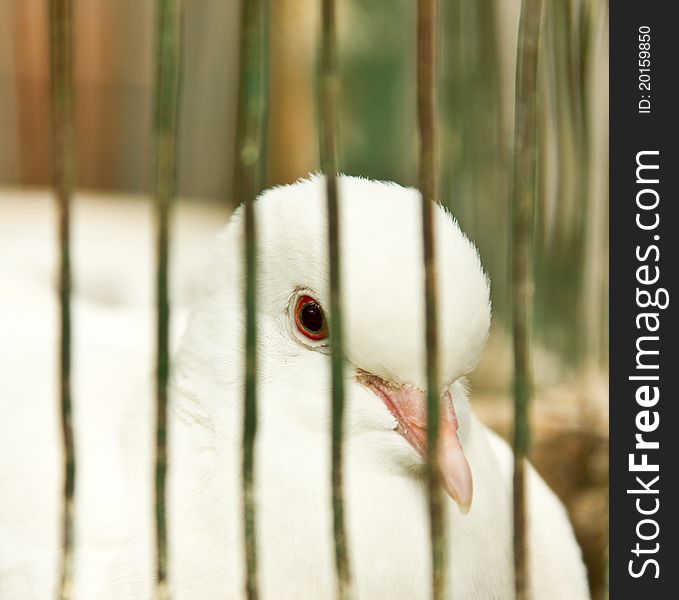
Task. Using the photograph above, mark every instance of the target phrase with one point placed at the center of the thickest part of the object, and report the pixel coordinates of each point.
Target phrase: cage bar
(329, 91)
(248, 177)
(168, 74)
(63, 164)
(523, 201)
(427, 45)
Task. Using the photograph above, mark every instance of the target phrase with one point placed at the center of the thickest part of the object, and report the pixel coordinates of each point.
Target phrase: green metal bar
(427, 46)
(329, 92)
(63, 160)
(168, 83)
(248, 177)
(607, 585)
(523, 201)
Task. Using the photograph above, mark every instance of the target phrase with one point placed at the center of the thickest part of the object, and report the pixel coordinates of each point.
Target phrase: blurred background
(113, 242)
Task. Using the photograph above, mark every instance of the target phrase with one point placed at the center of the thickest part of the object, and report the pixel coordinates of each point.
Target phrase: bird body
(384, 488)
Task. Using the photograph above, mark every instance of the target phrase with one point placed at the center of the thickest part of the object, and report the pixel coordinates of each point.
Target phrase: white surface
(113, 264)
(113, 242)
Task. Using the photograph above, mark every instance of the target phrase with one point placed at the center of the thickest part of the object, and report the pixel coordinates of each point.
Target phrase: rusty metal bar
(248, 178)
(63, 160)
(427, 46)
(329, 92)
(523, 201)
(168, 75)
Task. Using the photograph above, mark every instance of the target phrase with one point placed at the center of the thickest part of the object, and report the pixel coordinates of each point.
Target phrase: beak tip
(463, 501)
(457, 477)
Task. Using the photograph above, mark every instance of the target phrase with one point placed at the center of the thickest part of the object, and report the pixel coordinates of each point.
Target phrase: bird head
(382, 295)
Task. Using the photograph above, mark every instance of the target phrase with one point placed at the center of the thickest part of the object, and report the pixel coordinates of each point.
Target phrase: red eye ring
(310, 319)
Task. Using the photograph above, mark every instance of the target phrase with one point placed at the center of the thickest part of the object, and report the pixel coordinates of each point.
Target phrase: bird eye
(310, 319)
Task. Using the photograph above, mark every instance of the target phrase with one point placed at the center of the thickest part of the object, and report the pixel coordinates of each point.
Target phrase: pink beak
(408, 405)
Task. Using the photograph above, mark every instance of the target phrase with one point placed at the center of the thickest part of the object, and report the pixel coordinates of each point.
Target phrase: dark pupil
(312, 317)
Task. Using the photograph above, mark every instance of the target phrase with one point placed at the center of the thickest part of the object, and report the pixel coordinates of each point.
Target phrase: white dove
(386, 503)
(386, 506)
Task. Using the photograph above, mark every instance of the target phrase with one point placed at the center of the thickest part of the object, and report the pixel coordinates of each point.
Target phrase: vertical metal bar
(63, 160)
(168, 76)
(427, 45)
(607, 585)
(329, 91)
(248, 177)
(523, 202)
